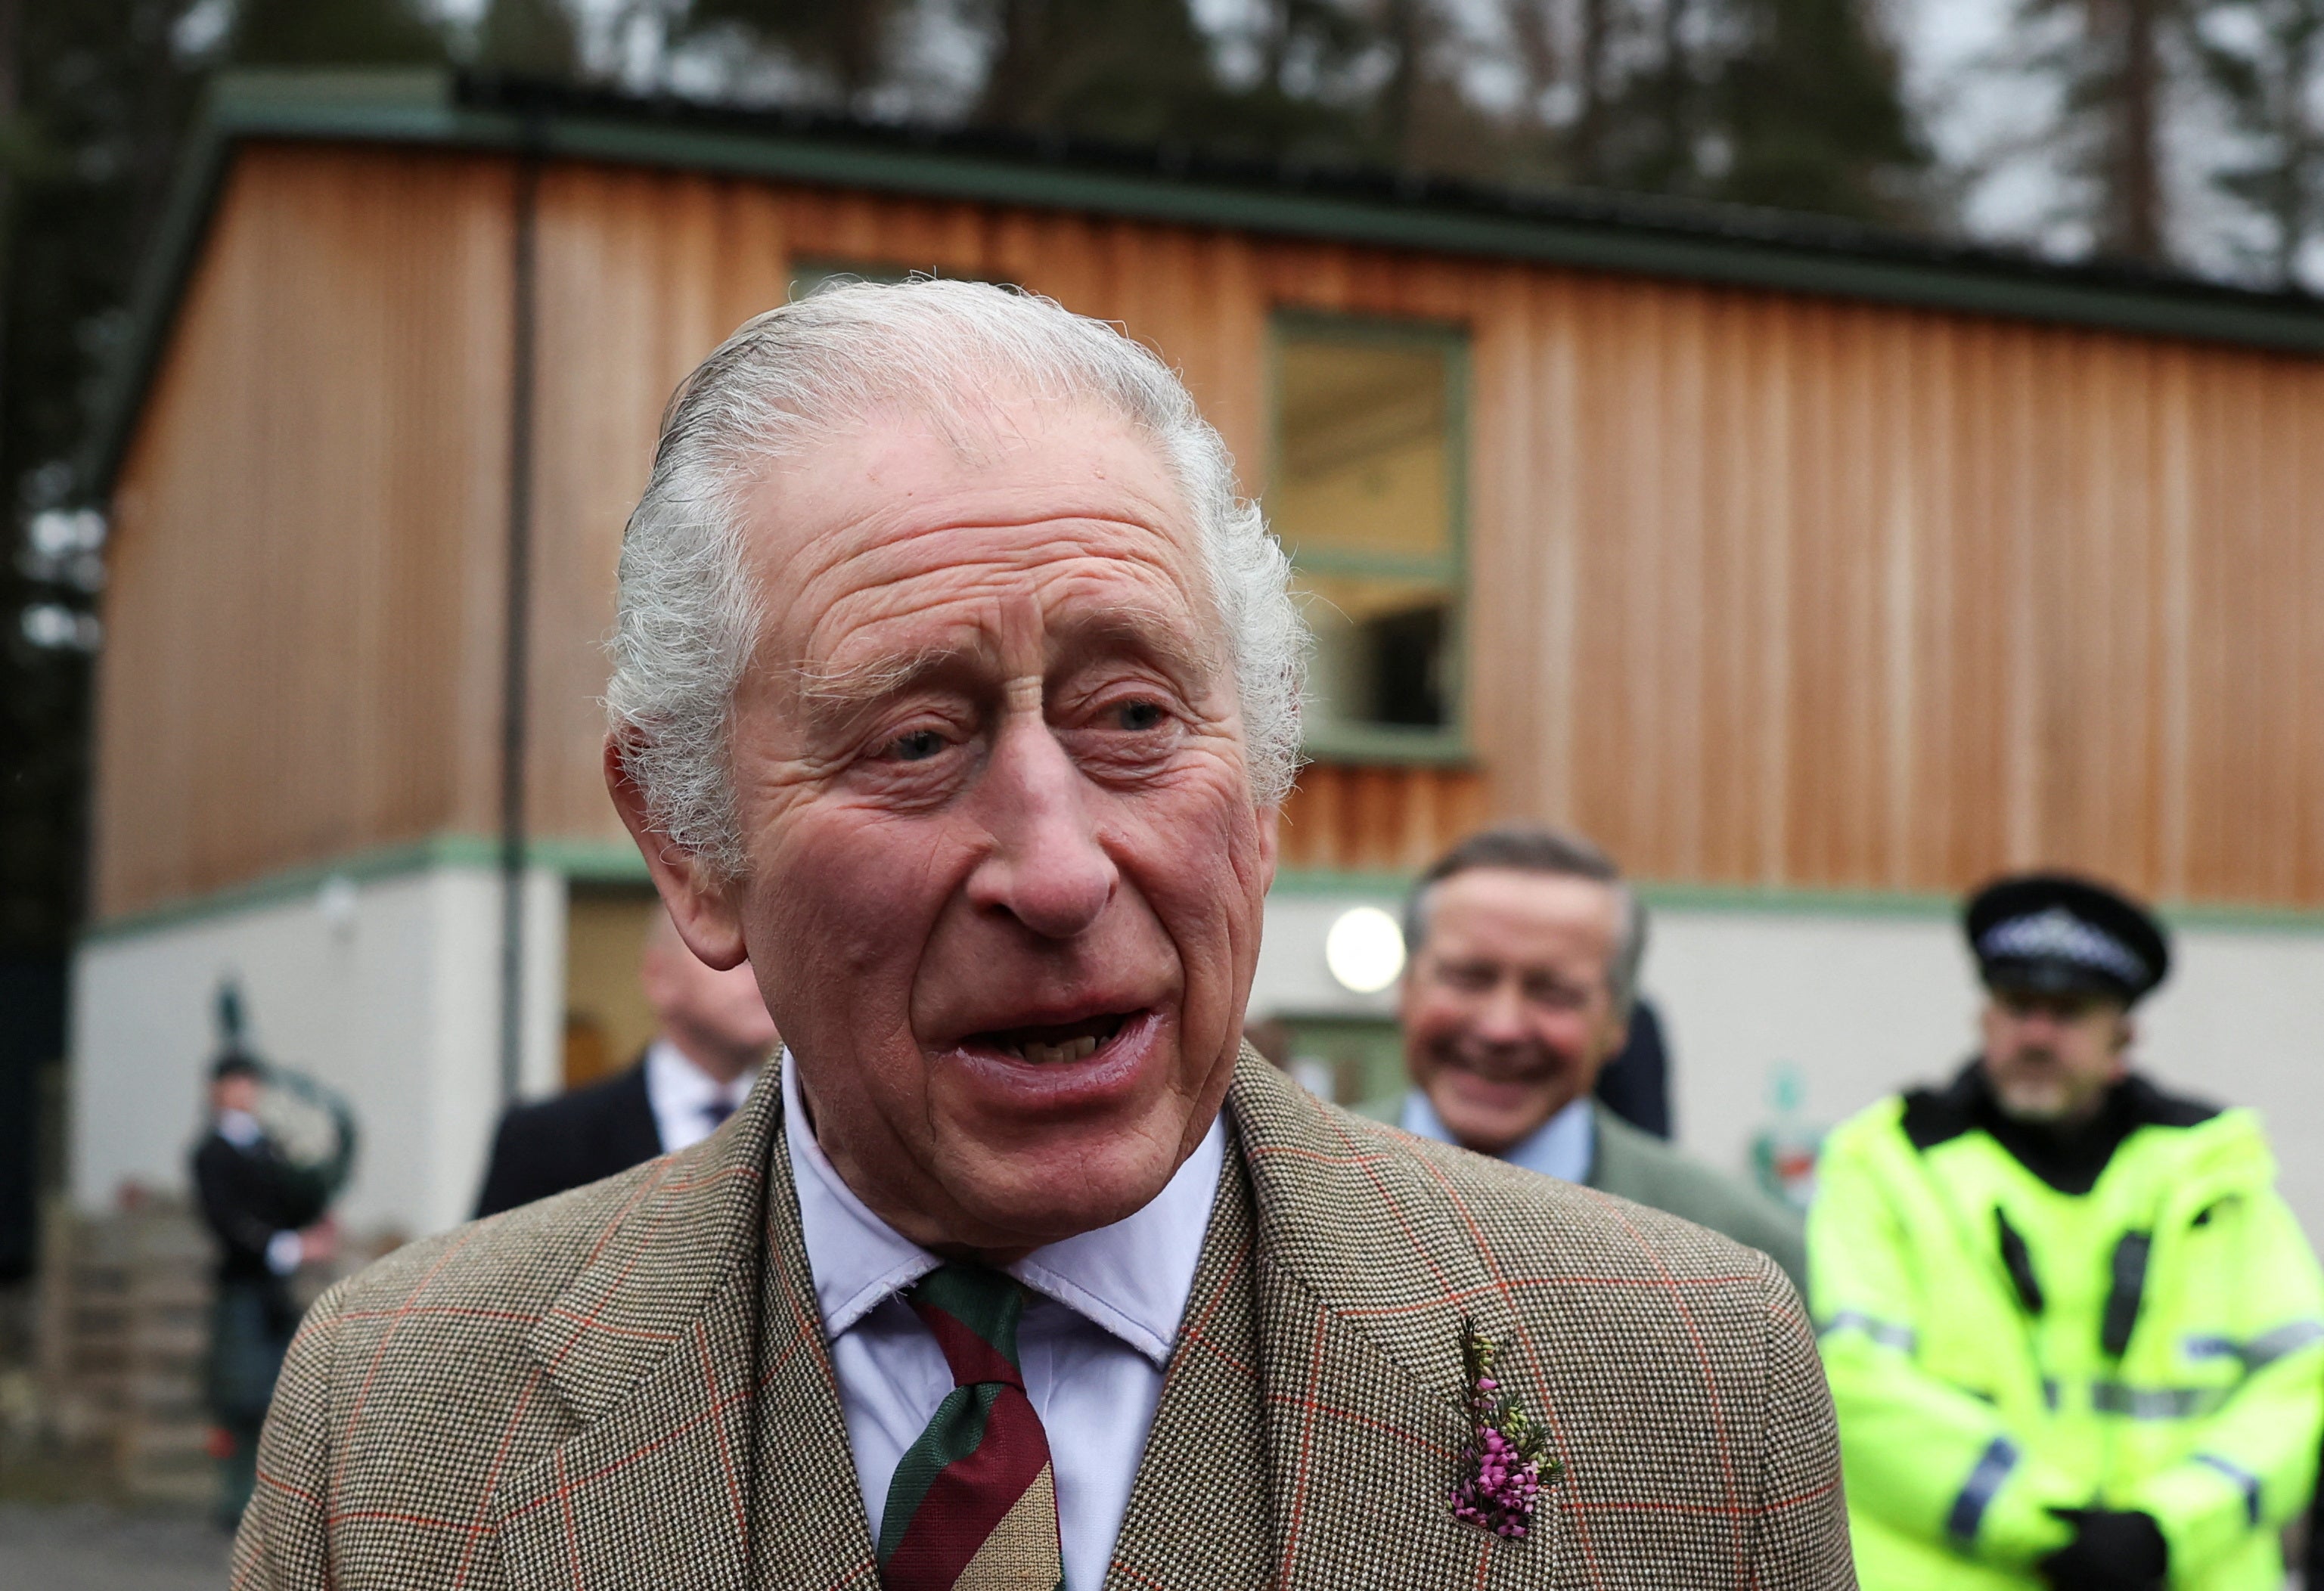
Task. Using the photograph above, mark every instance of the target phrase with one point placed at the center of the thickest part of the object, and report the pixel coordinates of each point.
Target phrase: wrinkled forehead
(906, 524)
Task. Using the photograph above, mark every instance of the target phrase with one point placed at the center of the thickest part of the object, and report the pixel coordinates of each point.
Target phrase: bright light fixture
(1364, 950)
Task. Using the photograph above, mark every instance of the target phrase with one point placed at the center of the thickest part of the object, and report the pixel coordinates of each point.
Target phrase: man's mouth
(1520, 1071)
(1058, 1043)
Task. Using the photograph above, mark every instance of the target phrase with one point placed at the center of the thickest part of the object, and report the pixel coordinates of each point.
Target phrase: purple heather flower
(1507, 1460)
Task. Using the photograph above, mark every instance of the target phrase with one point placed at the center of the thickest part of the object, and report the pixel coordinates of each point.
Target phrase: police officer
(2075, 1337)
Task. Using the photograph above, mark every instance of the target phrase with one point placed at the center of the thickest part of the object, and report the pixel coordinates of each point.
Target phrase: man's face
(1004, 876)
(1507, 1009)
(717, 1018)
(237, 1091)
(2051, 1057)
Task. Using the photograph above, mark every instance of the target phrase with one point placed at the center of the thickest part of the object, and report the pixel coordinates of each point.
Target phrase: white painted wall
(1292, 976)
(394, 1002)
(396, 1005)
(1865, 1004)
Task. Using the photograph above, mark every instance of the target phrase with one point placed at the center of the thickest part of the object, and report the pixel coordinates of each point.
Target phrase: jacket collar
(2071, 1162)
(689, 1350)
(1131, 1279)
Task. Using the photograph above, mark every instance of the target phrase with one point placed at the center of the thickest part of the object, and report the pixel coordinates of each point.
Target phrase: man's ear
(1270, 824)
(705, 906)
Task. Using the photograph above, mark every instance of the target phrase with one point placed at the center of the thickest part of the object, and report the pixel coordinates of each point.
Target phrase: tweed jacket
(627, 1386)
(1637, 1166)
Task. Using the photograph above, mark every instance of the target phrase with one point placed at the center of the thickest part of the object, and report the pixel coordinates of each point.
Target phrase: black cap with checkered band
(2057, 933)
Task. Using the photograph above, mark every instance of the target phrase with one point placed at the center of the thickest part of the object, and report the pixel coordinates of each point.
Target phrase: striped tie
(973, 1504)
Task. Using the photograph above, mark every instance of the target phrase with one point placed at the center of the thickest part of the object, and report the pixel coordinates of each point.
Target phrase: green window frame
(1444, 743)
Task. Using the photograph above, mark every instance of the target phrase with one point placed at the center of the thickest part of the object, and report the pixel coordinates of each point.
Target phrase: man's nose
(2037, 1024)
(1500, 1017)
(1046, 868)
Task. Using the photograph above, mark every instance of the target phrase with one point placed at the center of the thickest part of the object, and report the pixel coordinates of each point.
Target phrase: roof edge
(1608, 233)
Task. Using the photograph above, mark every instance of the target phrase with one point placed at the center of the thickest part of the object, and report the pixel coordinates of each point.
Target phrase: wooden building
(1816, 573)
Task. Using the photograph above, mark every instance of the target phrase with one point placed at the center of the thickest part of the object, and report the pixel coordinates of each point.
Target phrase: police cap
(2056, 934)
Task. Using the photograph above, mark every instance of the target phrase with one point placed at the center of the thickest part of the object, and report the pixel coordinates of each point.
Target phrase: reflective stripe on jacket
(1999, 1349)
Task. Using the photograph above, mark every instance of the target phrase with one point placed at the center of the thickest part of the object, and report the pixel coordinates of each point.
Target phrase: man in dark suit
(267, 1221)
(716, 1033)
(1635, 1085)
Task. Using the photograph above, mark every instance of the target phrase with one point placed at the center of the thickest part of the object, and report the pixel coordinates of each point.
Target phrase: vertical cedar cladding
(302, 617)
(1764, 589)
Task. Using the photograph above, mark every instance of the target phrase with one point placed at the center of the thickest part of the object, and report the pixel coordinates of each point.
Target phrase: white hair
(688, 618)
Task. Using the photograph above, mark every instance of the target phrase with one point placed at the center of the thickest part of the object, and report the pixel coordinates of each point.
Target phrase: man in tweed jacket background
(951, 673)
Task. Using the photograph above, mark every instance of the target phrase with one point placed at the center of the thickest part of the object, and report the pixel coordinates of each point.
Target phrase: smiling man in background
(2075, 1336)
(1525, 946)
(953, 676)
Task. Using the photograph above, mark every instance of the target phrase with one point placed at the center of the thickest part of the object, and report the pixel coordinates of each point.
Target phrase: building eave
(1593, 231)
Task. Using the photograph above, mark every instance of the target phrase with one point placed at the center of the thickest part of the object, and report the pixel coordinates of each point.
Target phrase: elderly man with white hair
(956, 690)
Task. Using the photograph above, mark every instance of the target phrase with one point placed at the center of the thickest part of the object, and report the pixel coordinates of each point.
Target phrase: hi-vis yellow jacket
(1998, 1348)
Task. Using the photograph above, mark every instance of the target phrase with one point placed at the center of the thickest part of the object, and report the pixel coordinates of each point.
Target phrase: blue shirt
(1561, 1148)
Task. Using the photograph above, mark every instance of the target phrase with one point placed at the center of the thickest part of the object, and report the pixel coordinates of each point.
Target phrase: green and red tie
(973, 1506)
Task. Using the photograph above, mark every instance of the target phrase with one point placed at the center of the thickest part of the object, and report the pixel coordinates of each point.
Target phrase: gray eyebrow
(835, 696)
(1141, 629)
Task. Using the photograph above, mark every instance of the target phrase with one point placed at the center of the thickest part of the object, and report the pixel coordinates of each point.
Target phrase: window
(1366, 495)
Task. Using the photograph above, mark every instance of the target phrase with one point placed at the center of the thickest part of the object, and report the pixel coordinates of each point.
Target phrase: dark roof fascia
(434, 108)
(160, 283)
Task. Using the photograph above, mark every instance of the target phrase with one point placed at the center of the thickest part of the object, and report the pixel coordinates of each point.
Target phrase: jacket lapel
(1198, 1510)
(1359, 1303)
(806, 1504)
(711, 1452)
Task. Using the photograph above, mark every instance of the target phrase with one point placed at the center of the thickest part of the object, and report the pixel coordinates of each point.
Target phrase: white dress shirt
(1561, 1148)
(688, 1102)
(1093, 1342)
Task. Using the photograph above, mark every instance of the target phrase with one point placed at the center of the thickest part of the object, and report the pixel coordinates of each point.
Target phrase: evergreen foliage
(334, 32)
(2265, 61)
(528, 38)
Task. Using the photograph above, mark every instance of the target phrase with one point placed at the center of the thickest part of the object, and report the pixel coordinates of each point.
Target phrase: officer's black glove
(2110, 1551)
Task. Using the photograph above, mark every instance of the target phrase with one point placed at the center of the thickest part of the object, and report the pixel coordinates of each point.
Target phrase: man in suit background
(715, 1035)
(953, 676)
(267, 1221)
(1522, 981)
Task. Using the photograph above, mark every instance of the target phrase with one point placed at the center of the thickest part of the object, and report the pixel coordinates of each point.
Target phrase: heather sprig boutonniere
(1507, 1461)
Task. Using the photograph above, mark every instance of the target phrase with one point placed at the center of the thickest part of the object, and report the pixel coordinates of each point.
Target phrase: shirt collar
(1131, 1279)
(673, 1078)
(1563, 1146)
(240, 1128)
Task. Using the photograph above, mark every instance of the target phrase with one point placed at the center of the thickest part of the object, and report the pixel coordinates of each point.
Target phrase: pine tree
(341, 32)
(529, 38)
(1132, 71)
(847, 42)
(1812, 113)
(2112, 60)
(1796, 104)
(2268, 73)
(99, 96)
